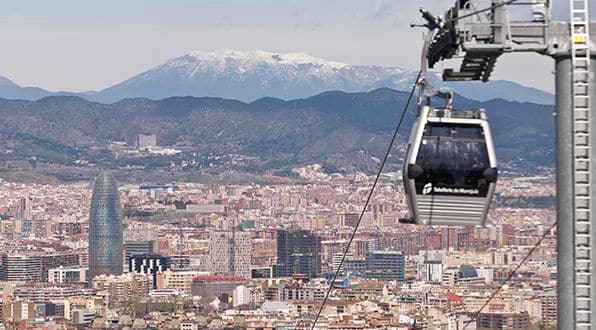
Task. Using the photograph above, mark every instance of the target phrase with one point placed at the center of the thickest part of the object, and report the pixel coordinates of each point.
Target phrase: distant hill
(342, 131)
(10, 90)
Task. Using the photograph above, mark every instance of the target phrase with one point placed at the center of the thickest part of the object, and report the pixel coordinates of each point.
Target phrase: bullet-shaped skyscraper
(105, 228)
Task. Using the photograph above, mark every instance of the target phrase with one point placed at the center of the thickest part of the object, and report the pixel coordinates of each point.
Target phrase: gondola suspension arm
(426, 90)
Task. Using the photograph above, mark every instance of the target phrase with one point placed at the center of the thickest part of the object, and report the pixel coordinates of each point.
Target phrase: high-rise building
(348, 219)
(138, 248)
(54, 260)
(298, 251)
(229, 253)
(20, 268)
(549, 309)
(385, 265)
(24, 209)
(105, 228)
(430, 271)
(148, 265)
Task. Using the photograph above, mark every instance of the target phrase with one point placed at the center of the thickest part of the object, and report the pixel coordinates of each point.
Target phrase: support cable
(343, 257)
(404, 112)
(508, 279)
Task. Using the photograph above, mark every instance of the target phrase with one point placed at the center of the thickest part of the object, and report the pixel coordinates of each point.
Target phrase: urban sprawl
(194, 256)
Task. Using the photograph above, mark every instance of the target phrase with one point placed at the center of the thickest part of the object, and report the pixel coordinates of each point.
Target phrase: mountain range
(342, 131)
(251, 75)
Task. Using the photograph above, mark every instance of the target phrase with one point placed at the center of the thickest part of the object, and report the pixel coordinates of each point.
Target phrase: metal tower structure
(180, 242)
(481, 34)
(582, 195)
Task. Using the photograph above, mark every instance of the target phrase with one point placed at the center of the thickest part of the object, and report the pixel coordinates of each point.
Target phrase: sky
(77, 46)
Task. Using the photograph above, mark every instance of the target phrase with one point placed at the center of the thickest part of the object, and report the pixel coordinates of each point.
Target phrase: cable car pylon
(482, 35)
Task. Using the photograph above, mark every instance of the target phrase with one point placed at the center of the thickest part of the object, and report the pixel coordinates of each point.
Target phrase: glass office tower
(105, 228)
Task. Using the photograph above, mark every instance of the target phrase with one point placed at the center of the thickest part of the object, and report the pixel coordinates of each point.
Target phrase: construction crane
(481, 35)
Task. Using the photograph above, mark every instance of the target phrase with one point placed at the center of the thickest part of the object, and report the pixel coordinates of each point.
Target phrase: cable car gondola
(450, 170)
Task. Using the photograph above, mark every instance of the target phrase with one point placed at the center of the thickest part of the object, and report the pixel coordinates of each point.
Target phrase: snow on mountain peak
(224, 56)
(6, 82)
(248, 75)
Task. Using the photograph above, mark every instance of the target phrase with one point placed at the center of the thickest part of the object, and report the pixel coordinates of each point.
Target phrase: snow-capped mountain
(250, 75)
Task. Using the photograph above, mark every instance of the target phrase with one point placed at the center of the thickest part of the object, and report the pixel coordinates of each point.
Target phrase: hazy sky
(79, 45)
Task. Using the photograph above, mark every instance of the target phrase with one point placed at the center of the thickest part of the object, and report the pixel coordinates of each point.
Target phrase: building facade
(123, 289)
(177, 280)
(67, 274)
(298, 252)
(136, 248)
(20, 268)
(212, 286)
(105, 228)
(229, 253)
(385, 265)
(55, 260)
(149, 265)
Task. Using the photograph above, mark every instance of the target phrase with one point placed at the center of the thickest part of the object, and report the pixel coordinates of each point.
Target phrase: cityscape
(191, 256)
(298, 165)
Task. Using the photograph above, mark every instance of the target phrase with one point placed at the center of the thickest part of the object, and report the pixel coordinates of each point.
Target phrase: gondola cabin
(450, 170)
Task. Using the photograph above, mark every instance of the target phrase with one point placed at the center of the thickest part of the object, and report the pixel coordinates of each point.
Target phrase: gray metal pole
(565, 208)
(592, 104)
(568, 303)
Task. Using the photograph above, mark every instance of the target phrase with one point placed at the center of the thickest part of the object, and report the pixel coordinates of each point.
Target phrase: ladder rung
(582, 191)
(582, 228)
(576, 46)
(583, 317)
(582, 241)
(583, 278)
(582, 178)
(583, 304)
(580, 38)
(581, 63)
(580, 90)
(582, 252)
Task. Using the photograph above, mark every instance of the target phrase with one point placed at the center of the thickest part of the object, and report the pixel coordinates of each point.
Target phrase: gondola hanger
(449, 172)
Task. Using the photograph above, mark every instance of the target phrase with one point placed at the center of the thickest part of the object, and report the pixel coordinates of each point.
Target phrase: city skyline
(414, 274)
